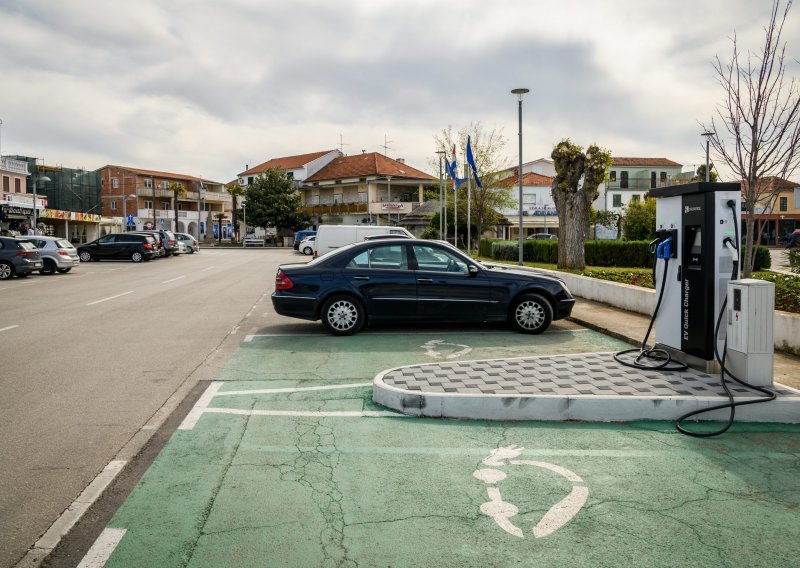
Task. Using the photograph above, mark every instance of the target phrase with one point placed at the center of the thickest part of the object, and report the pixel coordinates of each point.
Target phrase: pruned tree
(757, 127)
(578, 174)
(236, 191)
(177, 192)
(487, 148)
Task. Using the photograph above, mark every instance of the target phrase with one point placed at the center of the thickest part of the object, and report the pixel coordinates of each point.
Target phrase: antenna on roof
(342, 144)
(386, 146)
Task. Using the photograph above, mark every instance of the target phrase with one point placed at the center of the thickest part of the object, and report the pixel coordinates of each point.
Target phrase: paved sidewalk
(591, 386)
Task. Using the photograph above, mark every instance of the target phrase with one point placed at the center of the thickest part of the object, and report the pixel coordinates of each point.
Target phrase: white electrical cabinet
(751, 311)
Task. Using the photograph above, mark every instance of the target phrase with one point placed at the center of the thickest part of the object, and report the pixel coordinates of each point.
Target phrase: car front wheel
(530, 313)
(6, 271)
(85, 256)
(342, 315)
(308, 251)
(136, 256)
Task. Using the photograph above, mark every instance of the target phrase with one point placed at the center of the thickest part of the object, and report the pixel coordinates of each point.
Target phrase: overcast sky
(206, 87)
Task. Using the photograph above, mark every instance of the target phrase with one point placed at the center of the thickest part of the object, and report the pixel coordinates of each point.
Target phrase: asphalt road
(95, 359)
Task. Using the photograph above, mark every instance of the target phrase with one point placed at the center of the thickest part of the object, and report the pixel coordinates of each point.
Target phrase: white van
(331, 237)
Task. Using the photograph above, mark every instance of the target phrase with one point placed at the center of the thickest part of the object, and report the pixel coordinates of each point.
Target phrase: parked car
(300, 235)
(58, 254)
(192, 246)
(180, 248)
(387, 236)
(18, 257)
(544, 236)
(160, 248)
(167, 240)
(120, 246)
(330, 237)
(308, 245)
(416, 280)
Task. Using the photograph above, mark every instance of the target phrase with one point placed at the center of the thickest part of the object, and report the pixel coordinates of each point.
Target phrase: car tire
(137, 256)
(85, 256)
(49, 267)
(530, 313)
(6, 271)
(342, 315)
(308, 251)
(63, 270)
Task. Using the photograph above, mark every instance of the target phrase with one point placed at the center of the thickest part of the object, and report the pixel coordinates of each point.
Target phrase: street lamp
(35, 179)
(707, 135)
(244, 220)
(519, 93)
(125, 199)
(442, 206)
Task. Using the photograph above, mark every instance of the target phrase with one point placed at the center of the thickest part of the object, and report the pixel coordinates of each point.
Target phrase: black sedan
(412, 279)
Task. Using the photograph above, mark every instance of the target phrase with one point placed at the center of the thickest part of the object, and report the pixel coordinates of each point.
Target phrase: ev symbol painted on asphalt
(502, 511)
(431, 347)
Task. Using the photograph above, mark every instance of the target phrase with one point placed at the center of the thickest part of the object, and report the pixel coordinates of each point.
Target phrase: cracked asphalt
(301, 468)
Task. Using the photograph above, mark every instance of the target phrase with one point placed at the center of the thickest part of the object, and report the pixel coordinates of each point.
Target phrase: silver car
(58, 254)
(192, 246)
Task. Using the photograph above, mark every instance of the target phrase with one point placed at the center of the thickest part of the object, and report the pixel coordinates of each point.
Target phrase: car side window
(361, 260)
(106, 240)
(434, 259)
(391, 257)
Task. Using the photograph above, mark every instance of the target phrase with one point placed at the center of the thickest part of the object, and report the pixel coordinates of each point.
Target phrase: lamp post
(441, 195)
(519, 93)
(244, 220)
(125, 199)
(707, 135)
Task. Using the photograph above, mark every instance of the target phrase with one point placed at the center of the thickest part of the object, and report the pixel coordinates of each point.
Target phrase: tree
(606, 218)
(574, 188)
(700, 174)
(272, 201)
(758, 133)
(236, 191)
(639, 222)
(177, 191)
(220, 218)
(487, 148)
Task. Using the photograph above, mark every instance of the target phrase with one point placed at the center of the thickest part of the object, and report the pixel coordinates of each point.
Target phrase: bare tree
(574, 188)
(759, 120)
(487, 147)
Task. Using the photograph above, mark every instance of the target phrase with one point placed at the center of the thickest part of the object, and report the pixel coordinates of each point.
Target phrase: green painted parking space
(292, 470)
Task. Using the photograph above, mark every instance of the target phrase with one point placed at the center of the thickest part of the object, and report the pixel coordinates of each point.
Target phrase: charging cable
(731, 404)
(662, 358)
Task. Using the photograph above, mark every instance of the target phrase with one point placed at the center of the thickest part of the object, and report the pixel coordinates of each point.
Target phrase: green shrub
(787, 290)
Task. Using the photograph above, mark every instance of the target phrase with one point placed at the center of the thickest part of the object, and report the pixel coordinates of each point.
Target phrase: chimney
(401, 160)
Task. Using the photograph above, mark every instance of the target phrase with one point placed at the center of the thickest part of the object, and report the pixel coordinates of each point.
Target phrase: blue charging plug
(664, 249)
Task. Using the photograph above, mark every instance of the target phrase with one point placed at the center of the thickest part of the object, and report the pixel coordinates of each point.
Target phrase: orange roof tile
(529, 179)
(370, 164)
(643, 162)
(286, 162)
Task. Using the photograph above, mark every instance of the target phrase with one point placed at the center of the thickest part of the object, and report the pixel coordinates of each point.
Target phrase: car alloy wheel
(49, 267)
(6, 271)
(308, 251)
(85, 256)
(136, 256)
(531, 313)
(342, 315)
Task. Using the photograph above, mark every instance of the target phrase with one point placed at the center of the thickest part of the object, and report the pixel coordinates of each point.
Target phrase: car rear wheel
(49, 267)
(530, 313)
(342, 315)
(137, 256)
(6, 271)
(85, 256)
(308, 251)
(63, 270)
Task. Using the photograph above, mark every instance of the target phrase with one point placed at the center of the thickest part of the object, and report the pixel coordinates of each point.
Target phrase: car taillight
(24, 252)
(282, 282)
(63, 253)
(172, 242)
(148, 246)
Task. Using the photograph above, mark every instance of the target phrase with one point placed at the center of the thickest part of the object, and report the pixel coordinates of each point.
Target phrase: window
(434, 259)
(113, 205)
(164, 184)
(114, 183)
(17, 186)
(337, 198)
(388, 257)
(616, 200)
(652, 180)
(663, 177)
(613, 176)
(635, 197)
(783, 204)
(148, 204)
(250, 180)
(165, 206)
(6, 182)
(623, 182)
(148, 183)
(180, 206)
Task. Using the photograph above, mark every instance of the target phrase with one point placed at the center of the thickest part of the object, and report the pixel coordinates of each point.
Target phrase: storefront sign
(394, 205)
(10, 211)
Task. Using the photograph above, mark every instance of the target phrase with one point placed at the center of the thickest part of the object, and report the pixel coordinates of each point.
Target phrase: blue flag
(471, 162)
(451, 169)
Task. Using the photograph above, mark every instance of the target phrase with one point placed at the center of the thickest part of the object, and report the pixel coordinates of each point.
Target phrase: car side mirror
(473, 270)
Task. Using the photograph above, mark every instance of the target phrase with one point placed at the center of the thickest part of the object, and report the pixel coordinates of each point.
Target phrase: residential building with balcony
(16, 206)
(629, 179)
(139, 199)
(297, 168)
(367, 188)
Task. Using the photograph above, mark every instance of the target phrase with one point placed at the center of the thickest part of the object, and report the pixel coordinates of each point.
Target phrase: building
(139, 199)
(539, 213)
(777, 211)
(629, 179)
(297, 168)
(16, 206)
(67, 200)
(367, 188)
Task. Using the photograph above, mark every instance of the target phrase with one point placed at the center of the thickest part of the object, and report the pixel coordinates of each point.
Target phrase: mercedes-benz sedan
(415, 280)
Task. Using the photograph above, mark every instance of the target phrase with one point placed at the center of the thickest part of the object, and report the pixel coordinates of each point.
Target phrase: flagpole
(469, 208)
(455, 211)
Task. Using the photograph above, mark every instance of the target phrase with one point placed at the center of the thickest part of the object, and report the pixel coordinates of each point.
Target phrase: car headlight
(566, 289)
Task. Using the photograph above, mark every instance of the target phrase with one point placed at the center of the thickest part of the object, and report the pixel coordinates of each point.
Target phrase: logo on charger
(689, 209)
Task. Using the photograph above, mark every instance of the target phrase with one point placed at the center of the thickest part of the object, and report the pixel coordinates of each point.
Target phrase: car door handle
(425, 280)
(360, 277)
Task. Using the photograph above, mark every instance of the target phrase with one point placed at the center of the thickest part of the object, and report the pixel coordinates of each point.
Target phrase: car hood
(520, 271)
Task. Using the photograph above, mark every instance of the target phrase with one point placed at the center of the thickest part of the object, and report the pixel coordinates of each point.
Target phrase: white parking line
(103, 547)
(172, 279)
(8, 327)
(110, 298)
(206, 268)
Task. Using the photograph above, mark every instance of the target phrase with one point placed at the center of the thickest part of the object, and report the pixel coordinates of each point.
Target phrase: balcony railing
(14, 166)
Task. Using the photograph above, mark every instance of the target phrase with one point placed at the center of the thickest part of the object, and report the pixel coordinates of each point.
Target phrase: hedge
(625, 254)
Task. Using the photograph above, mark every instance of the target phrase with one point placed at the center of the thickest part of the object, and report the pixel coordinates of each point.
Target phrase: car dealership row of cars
(21, 256)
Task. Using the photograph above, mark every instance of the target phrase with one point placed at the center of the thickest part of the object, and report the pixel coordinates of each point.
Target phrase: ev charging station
(697, 246)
